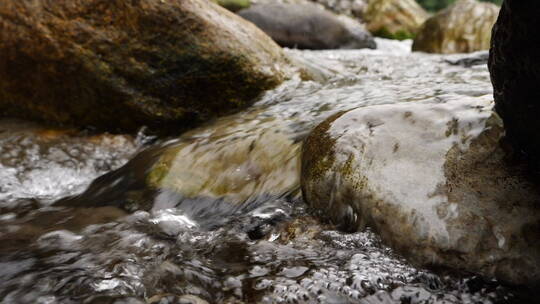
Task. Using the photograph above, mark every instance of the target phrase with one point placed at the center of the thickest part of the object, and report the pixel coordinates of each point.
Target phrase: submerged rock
(306, 26)
(461, 28)
(123, 64)
(432, 181)
(211, 173)
(394, 19)
(52, 226)
(515, 74)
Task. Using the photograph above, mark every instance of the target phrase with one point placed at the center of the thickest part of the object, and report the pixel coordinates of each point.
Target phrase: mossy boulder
(462, 27)
(394, 19)
(121, 64)
(433, 181)
(234, 5)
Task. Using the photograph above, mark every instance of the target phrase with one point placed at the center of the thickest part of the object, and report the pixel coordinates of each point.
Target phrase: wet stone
(432, 179)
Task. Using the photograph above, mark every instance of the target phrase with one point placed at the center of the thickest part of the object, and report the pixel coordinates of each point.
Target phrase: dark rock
(306, 26)
(121, 64)
(514, 64)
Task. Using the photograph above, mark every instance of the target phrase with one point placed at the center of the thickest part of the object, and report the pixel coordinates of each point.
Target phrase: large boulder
(432, 181)
(121, 64)
(307, 26)
(395, 19)
(460, 28)
(515, 73)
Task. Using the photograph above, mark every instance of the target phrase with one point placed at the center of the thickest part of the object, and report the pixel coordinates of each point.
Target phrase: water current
(275, 251)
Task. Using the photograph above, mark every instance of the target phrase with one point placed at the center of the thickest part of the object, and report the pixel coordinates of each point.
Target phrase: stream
(272, 249)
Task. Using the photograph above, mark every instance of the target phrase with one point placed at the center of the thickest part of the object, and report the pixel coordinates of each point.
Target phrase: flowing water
(269, 248)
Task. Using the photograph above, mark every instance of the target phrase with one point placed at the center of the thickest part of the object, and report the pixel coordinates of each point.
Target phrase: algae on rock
(234, 5)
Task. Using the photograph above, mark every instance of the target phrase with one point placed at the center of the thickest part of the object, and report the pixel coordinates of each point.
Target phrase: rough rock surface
(460, 28)
(122, 64)
(432, 181)
(515, 73)
(395, 19)
(307, 26)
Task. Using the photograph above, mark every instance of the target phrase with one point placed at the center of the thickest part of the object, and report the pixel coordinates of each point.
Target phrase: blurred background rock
(436, 5)
(445, 26)
(463, 27)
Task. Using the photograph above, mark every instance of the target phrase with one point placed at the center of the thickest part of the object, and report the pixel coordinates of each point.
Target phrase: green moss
(156, 175)
(318, 150)
(399, 35)
(162, 167)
